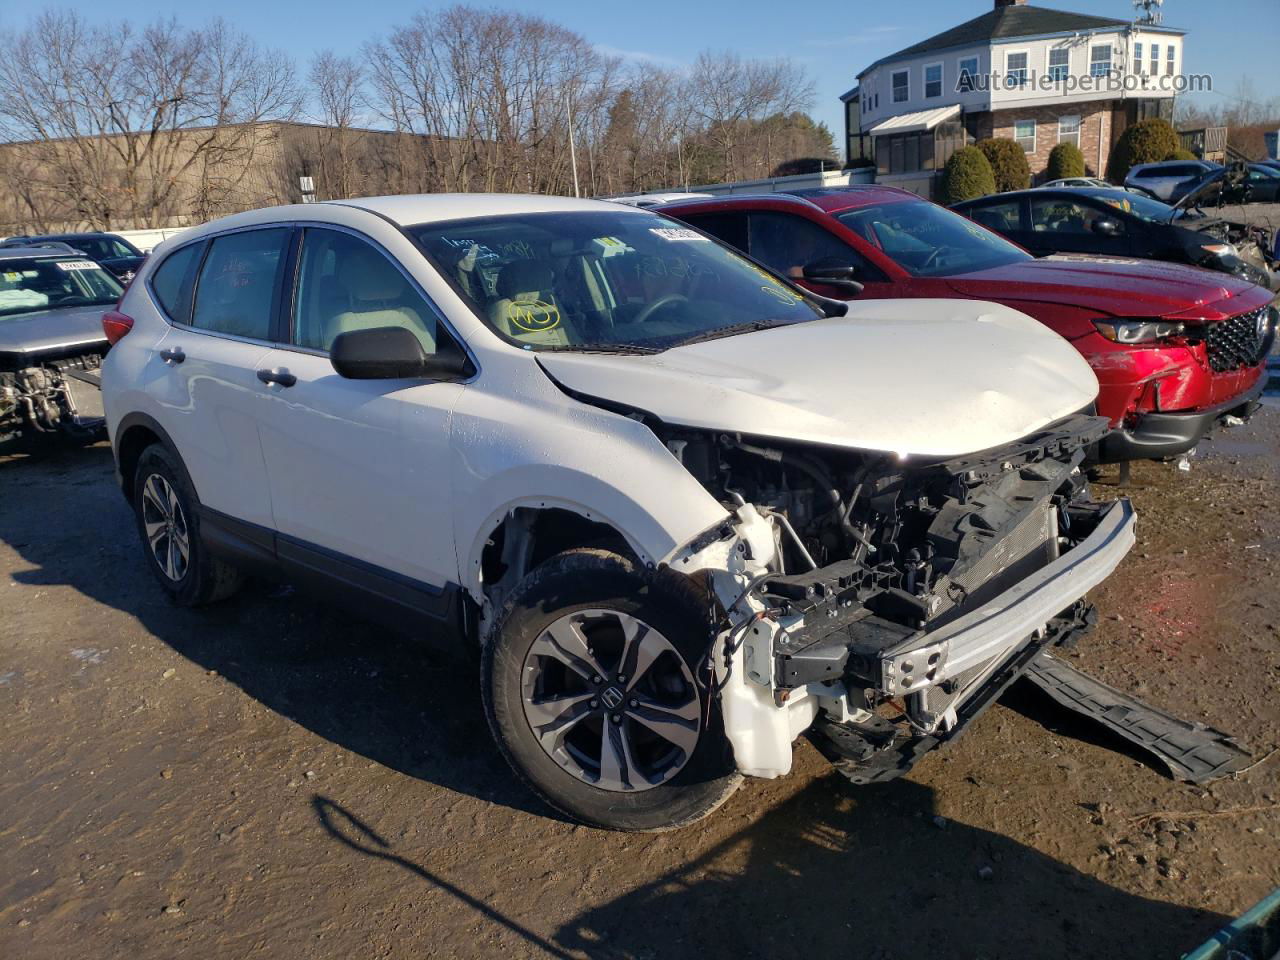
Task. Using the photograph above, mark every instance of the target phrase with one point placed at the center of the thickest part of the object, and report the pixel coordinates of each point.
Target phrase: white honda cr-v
(687, 510)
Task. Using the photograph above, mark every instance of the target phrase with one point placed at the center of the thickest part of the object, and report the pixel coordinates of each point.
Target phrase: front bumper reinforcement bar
(999, 627)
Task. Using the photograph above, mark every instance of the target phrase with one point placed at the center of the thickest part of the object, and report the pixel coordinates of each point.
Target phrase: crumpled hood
(933, 378)
(1119, 287)
(58, 331)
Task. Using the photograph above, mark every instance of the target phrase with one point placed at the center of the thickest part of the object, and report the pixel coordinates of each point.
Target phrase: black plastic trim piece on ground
(1189, 751)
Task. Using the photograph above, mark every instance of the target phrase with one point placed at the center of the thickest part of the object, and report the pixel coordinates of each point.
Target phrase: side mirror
(1107, 227)
(394, 353)
(833, 272)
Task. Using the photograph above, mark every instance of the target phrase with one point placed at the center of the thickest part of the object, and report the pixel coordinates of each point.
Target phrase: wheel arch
(551, 526)
(136, 432)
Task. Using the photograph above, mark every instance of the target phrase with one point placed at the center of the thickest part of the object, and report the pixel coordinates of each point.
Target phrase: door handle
(279, 375)
(172, 355)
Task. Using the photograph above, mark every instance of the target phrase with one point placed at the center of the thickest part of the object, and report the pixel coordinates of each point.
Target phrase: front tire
(166, 510)
(590, 687)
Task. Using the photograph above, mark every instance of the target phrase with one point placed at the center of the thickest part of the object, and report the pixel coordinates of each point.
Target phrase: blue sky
(1227, 39)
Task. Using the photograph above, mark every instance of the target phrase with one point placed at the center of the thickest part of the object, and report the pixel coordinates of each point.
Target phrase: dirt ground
(271, 778)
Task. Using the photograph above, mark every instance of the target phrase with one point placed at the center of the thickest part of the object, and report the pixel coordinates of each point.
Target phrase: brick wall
(1095, 130)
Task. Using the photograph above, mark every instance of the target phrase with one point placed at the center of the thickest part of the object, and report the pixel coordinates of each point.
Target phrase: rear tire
(642, 753)
(167, 514)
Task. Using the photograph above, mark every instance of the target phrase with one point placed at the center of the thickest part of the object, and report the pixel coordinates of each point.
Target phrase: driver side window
(787, 243)
(344, 284)
(1064, 216)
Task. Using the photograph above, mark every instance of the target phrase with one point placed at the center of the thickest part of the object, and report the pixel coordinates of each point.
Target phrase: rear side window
(171, 283)
(1003, 217)
(238, 285)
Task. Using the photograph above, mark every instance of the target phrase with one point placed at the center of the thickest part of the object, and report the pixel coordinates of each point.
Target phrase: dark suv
(109, 250)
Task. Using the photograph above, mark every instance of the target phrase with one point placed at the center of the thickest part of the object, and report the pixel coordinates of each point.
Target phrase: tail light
(115, 325)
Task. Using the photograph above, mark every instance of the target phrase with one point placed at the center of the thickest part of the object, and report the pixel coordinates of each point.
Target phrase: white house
(1038, 76)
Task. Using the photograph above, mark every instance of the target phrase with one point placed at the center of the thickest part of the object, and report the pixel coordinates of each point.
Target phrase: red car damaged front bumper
(1164, 398)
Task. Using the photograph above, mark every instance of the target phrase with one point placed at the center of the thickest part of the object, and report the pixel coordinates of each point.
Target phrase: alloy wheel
(611, 700)
(165, 526)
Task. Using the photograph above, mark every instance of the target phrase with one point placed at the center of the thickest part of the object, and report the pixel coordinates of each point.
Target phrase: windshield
(605, 280)
(1144, 208)
(41, 283)
(927, 240)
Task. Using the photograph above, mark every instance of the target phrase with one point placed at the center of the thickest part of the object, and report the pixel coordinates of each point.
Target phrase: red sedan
(1176, 349)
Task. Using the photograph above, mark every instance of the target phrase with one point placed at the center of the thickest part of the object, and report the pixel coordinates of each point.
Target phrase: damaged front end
(60, 395)
(880, 603)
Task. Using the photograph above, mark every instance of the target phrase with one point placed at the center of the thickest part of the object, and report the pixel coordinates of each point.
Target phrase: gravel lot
(271, 778)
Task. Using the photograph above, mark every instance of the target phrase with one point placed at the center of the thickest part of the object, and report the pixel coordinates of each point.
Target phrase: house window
(1068, 130)
(901, 86)
(1137, 58)
(1100, 61)
(1059, 64)
(1015, 65)
(1169, 55)
(966, 81)
(1155, 60)
(1024, 131)
(933, 81)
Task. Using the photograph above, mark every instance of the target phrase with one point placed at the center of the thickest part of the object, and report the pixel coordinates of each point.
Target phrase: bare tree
(488, 95)
(134, 126)
(336, 158)
(733, 97)
(112, 126)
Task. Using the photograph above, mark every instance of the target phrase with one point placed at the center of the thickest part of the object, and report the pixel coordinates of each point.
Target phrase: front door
(1066, 225)
(359, 469)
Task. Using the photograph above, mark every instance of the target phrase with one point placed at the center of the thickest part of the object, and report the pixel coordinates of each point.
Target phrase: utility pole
(573, 153)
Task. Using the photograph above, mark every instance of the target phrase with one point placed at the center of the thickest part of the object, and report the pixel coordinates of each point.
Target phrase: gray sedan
(52, 343)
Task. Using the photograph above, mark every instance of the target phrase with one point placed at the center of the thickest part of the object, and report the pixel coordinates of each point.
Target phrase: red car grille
(1238, 342)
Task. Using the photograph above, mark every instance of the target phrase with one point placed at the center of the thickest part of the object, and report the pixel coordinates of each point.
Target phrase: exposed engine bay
(56, 396)
(894, 598)
(1254, 247)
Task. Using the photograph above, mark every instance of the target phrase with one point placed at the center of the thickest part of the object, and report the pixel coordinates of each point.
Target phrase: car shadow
(408, 704)
(864, 873)
(869, 874)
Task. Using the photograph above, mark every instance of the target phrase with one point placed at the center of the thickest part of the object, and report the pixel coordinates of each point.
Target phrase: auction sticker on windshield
(76, 265)
(676, 233)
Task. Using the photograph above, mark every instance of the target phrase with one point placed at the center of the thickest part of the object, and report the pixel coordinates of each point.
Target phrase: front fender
(560, 453)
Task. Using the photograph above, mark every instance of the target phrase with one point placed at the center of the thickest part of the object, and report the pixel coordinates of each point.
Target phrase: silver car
(52, 343)
(1161, 180)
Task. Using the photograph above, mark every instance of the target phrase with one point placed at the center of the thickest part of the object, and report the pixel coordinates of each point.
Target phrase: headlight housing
(1138, 329)
(1221, 249)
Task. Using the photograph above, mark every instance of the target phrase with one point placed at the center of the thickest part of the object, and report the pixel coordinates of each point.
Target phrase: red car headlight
(1138, 329)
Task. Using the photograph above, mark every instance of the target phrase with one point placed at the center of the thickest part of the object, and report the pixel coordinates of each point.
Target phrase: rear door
(1006, 217)
(222, 297)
